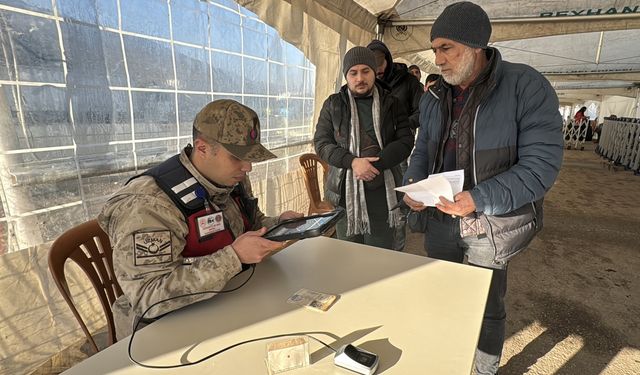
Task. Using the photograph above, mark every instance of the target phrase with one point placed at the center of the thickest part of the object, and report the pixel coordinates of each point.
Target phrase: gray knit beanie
(465, 23)
(358, 55)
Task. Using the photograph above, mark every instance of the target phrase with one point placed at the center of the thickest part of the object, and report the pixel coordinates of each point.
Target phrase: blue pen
(202, 194)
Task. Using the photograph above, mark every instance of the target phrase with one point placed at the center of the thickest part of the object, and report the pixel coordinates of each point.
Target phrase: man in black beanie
(364, 134)
(499, 123)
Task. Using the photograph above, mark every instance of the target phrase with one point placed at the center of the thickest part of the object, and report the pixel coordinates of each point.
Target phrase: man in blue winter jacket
(499, 122)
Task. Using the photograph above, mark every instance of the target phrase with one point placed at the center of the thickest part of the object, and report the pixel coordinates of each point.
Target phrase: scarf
(357, 214)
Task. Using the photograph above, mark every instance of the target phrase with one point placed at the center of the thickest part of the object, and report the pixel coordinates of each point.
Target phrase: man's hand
(289, 215)
(252, 248)
(414, 205)
(462, 206)
(363, 170)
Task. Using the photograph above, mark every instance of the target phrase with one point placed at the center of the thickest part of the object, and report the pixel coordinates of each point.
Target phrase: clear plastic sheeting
(88, 92)
(91, 95)
(33, 52)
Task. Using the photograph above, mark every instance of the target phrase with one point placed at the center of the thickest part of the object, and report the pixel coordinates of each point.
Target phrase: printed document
(428, 191)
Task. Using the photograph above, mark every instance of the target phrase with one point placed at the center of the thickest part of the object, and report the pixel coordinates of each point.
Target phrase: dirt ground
(573, 302)
(573, 299)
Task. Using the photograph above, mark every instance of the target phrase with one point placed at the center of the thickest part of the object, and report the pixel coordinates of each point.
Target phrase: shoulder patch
(152, 248)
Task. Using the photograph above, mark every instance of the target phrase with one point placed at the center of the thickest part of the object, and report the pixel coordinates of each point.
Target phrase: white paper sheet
(429, 190)
(455, 178)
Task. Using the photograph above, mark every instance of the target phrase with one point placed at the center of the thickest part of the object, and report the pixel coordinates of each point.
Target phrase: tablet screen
(299, 227)
(304, 227)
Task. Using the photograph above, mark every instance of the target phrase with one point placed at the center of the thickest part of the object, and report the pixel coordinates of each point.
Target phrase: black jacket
(331, 138)
(404, 85)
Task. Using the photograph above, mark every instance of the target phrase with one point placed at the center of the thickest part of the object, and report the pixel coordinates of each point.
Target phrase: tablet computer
(304, 227)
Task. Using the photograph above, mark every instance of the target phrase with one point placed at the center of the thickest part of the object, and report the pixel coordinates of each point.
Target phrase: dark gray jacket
(516, 150)
(331, 138)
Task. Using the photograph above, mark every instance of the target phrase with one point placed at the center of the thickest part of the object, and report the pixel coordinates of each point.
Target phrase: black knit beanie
(358, 55)
(465, 23)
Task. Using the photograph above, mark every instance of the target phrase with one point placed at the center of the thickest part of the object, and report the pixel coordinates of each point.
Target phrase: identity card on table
(313, 299)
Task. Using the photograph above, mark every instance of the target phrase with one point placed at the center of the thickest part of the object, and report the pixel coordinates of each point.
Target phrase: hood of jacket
(377, 45)
(398, 74)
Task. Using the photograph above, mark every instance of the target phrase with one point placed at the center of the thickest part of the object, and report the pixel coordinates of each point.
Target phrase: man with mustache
(499, 122)
(189, 224)
(363, 133)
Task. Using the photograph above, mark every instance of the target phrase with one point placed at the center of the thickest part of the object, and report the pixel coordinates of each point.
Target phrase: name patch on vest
(210, 224)
(152, 247)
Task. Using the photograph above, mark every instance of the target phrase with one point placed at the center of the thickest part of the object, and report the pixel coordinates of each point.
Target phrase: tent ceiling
(567, 40)
(580, 96)
(570, 40)
(421, 9)
(611, 51)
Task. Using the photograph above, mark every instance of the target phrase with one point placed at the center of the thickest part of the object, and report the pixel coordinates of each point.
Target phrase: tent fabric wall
(620, 106)
(35, 321)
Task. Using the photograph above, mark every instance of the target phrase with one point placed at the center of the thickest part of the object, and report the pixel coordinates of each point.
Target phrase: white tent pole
(380, 31)
(599, 47)
(342, 50)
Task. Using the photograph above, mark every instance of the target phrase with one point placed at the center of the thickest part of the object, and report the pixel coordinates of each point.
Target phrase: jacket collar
(218, 194)
(490, 72)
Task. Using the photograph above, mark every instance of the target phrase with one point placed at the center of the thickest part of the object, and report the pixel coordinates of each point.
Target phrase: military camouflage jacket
(141, 213)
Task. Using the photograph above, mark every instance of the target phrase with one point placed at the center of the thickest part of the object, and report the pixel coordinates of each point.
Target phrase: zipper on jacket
(433, 93)
(535, 215)
(475, 122)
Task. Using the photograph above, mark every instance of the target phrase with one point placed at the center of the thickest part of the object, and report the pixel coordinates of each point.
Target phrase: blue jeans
(443, 241)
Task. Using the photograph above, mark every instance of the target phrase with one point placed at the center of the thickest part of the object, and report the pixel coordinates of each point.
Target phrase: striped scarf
(357, 215)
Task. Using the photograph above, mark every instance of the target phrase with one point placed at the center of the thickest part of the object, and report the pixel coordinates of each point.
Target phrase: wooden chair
(309, 163)
(88, 246)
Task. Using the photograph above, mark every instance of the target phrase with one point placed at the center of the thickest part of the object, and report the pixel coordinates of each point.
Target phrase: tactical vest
(190, 196)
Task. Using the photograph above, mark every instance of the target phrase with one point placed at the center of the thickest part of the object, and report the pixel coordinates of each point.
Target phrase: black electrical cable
(308, 334)
(253, 270)
(137, 323)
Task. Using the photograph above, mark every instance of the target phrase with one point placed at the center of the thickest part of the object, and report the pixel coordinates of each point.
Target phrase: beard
(464, 69)
(362, 93)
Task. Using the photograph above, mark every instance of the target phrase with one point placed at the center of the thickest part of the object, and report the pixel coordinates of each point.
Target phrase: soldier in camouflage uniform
(190, 224)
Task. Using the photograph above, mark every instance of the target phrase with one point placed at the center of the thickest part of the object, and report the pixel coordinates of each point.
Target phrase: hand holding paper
(429, 190)
(462, 205)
